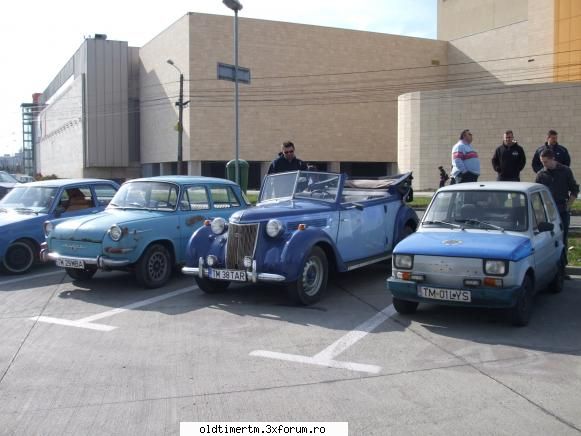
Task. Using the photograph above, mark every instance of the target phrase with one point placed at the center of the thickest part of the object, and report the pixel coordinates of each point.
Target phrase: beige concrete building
(333, 92)
(512, 65)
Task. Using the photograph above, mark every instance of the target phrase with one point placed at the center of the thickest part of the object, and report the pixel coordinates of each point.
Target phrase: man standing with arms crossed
(509, 159)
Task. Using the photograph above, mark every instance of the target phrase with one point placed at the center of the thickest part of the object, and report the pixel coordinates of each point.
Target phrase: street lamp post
(180, 104)
(236, 6)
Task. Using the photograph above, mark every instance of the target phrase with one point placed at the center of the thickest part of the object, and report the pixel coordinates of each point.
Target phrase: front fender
(203, 242)
(299, 245)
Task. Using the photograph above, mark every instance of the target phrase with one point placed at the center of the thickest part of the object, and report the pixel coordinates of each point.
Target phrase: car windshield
(7, 178)
(24, 198)
(301, 184)
(146, 195)
(490, 210)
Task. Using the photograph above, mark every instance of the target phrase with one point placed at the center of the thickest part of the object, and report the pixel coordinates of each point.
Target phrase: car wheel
(19, 257)
(520, 313)
(558, 282)
(312, 281)
(405, 307)
(81, 274)
(212, 286)
(154, 267)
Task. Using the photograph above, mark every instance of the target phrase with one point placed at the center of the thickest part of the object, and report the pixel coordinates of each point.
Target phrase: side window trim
(538, 195)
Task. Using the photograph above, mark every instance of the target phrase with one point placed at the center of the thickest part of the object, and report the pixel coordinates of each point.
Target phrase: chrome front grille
(241, 242)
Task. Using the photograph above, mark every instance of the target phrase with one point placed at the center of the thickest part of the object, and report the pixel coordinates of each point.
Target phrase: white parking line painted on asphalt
(27, 277)
(87, 323)
(68, 323)
(327, 356)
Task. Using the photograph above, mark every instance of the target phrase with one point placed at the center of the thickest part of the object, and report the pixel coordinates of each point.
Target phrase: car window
(78, 198)
(34, 198)
(549, 205)
(196, 198)
(105, 194)
(538, 209)
(151, 195)
(481, 209)
(7, 178)
(223, 197)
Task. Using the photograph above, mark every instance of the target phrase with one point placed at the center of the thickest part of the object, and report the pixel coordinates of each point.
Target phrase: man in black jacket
(509, 159)
(561, 153)
(562, 184)
(287, 161)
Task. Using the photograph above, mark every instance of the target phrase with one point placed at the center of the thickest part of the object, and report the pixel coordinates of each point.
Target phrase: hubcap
(312, 276)
(19, 257)
(157, 266)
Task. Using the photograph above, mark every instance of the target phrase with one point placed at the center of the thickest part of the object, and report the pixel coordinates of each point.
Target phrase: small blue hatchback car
(491, 244)
(145, 228)
(305, 224)
(27, 206)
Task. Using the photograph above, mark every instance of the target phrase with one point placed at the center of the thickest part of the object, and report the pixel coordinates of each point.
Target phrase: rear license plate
(445, 294)
(227, 274)
(70, 263)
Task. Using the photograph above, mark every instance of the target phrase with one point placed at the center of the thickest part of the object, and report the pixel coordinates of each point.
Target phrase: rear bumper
(481, 297)
(251, 274)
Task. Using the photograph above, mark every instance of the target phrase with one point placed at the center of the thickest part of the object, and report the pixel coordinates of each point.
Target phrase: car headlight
(495, 267)
(115, 232)
(218, 225)
(48, 226)
(403, 261)
(274, 228)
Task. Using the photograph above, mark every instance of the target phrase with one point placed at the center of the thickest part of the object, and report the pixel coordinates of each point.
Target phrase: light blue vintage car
(491, 244)
(27, 206)
(305, 224)
(145, 228)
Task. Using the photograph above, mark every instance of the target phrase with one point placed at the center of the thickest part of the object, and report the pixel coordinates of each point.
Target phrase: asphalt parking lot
(106, 357)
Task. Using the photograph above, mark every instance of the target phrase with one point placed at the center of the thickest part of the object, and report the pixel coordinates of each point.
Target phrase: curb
(573, 270)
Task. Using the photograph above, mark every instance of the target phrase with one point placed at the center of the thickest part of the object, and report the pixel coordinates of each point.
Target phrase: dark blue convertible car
(304, 225)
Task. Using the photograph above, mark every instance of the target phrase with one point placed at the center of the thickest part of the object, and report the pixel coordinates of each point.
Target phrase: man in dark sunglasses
(287, 161)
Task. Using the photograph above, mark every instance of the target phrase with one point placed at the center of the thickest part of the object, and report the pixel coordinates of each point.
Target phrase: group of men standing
(551, 163)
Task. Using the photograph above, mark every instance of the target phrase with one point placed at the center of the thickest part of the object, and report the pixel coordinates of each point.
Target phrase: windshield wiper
(483, 223)
(456, 226)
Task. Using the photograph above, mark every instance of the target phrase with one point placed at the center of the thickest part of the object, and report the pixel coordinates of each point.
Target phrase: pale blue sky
(37, 37)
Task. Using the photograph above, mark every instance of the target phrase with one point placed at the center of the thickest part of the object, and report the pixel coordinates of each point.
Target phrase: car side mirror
(546, 227)
(59, 210)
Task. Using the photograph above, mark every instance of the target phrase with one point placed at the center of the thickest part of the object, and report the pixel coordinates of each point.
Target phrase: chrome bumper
(99, 261)
(251, 274)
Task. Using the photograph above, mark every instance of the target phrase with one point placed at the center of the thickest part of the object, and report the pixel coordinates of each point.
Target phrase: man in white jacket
(465, 161)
